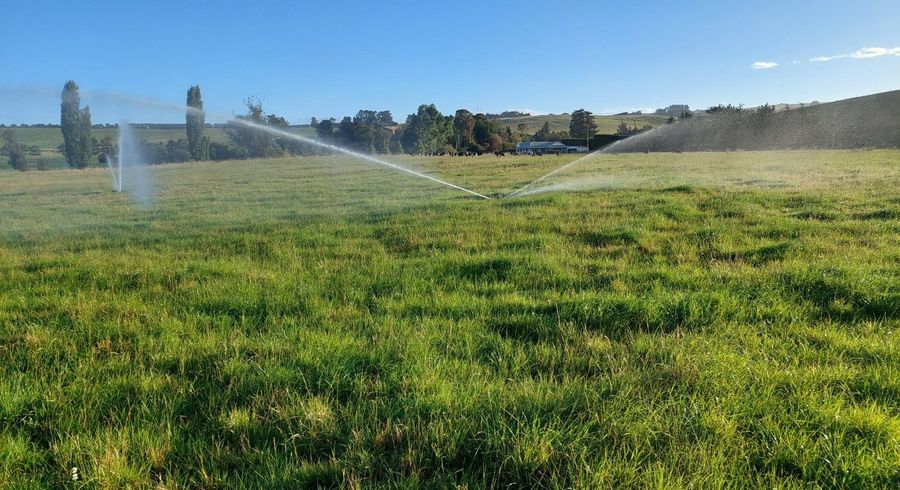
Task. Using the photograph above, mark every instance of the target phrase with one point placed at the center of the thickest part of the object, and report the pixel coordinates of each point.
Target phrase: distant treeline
(428, 131)
(864, 122)
(507, 114)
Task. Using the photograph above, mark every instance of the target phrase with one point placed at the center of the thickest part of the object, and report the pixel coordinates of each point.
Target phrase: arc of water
(121, 155)
(560, 169)
(354, 154)
(112, 173)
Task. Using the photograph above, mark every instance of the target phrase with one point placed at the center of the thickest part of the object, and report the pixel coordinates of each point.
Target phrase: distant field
(49, 139)
(605, 124)
(712, 320)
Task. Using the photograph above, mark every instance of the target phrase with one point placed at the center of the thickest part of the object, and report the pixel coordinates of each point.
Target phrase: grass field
(705, 320)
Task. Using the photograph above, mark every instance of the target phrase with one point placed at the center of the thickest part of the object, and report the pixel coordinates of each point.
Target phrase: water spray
(303, 139)
(129, 155)
(115, 173)
(560, 169)
(279, 132)
(581, 159)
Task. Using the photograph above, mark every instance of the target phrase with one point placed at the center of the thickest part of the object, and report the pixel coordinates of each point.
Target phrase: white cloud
(861, 54)
(764, 65)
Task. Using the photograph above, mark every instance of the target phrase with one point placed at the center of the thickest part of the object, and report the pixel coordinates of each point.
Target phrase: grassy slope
(314, 321)
(871, 121)
(605, 124)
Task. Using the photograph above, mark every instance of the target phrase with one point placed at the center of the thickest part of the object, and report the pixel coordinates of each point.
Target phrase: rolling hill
(871, 121)
(560, 122)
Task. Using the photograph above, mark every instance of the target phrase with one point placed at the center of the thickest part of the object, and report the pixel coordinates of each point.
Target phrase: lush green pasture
(716, 319)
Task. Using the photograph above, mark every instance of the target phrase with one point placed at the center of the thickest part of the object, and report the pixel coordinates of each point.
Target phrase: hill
(560, 122)
(871, 121)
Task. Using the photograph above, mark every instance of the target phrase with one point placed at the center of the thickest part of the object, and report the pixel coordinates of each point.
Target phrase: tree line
(426, 132)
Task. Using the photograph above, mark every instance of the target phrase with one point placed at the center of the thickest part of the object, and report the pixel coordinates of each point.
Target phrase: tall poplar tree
(195, 121)
(75, 124)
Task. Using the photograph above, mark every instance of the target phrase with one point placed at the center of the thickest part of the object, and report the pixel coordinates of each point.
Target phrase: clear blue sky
(331, 58)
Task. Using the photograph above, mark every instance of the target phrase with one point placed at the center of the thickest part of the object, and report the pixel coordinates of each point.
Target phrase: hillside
(560, 122)
(871, 121)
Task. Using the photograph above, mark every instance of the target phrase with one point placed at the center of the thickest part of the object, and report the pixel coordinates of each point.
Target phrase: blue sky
(332, 58)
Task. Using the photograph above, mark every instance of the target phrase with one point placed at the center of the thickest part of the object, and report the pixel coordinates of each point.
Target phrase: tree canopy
(253, 137)
(582, 124)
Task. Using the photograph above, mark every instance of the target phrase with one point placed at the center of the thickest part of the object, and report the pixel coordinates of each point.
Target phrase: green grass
(319, 322)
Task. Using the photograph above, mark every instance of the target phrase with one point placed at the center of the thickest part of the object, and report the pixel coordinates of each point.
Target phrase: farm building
(547, 148)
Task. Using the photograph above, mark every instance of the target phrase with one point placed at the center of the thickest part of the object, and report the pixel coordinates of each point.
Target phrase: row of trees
(428, 131)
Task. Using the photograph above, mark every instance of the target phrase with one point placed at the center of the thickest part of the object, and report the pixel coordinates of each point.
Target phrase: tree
(543, 134)
(464, 125)
(12, 148)
(381, 139)
(325, 130)
(75, 124)
(276, 121)
(367, 132)
(483, 130)
(369, 118)
(385, 118)
(510, 137)
(427, 131)
(195, 120)
(87, 142)
(522, 129)
(345, 131)
(582, 124)
(495, 144)
(252, 135)
(313, 122)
